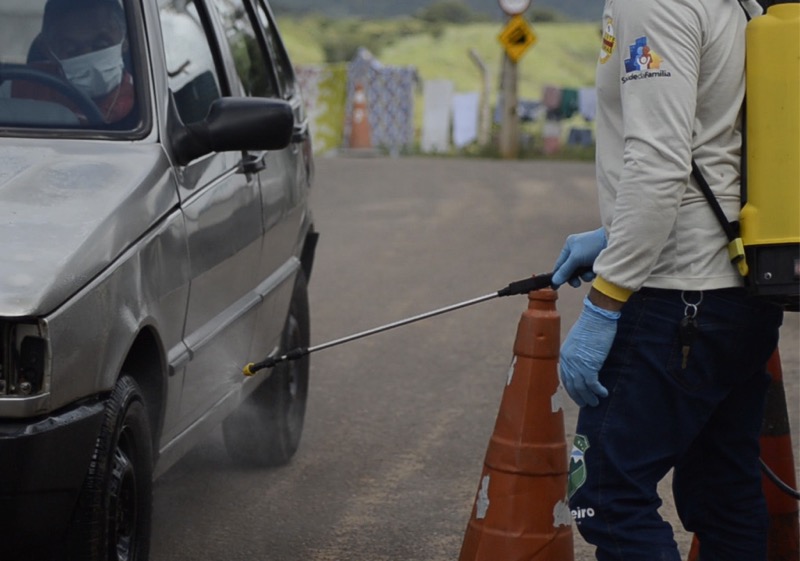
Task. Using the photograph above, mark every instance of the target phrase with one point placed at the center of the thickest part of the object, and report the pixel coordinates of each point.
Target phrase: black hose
(778, 482)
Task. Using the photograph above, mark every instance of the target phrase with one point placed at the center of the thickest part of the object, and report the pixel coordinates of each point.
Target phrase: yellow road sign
(517, 36)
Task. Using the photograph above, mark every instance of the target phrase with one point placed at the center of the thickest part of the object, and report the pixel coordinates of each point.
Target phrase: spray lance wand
(524, 286)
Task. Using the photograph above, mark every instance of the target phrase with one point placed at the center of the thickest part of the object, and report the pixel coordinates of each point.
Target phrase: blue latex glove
(580, 250)
(585, 350)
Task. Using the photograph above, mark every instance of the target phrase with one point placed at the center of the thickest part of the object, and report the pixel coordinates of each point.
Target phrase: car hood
(67, 210)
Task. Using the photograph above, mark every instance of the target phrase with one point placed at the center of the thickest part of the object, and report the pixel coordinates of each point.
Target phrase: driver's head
(87, 38)
(72, 28)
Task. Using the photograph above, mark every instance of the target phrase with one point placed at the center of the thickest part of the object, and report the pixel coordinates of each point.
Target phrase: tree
(542, 15)
(449, 11)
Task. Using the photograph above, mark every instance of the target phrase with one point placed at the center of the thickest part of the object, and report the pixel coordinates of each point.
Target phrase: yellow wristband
(611, 290)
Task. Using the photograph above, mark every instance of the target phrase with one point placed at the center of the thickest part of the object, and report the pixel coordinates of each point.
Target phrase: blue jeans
(703, 420)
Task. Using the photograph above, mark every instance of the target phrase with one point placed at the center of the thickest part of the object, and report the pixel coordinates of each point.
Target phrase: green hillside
(563, 55)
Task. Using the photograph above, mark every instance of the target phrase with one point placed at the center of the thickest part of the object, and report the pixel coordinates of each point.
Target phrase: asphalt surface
(398, 423)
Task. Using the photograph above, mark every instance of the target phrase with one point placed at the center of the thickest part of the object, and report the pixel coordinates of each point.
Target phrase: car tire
(113, 514)
(265, 430)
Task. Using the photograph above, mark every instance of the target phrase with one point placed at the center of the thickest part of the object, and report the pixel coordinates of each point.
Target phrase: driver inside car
(83, 42)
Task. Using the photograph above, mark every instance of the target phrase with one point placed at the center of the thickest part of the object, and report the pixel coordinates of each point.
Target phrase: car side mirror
(232, 123)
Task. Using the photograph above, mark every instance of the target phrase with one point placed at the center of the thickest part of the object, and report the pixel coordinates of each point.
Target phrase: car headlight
(23, 356)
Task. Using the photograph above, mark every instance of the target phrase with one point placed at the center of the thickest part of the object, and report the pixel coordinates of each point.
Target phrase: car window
(68, 64)
(252, 66)
(283, 68)
(191, 72)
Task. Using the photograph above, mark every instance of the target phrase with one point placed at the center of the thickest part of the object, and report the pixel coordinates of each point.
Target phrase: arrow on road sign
(517, 37)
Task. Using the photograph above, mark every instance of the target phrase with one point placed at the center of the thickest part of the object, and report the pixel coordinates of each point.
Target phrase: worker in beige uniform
(667, 358)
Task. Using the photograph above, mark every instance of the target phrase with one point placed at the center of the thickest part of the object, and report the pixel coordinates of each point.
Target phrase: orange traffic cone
(521, 510)
(360, 134)
(776, 452)
(694, 552)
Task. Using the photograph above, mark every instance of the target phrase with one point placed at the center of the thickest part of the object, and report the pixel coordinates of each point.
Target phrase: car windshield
(66, 64)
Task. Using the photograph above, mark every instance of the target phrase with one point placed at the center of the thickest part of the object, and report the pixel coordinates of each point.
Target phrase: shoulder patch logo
(642, 57)
(643, 62)
(609, 41)
(577, 465)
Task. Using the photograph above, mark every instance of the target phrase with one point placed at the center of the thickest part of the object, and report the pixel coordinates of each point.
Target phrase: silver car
(155, 237)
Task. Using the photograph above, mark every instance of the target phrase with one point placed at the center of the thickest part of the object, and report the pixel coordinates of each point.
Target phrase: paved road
(398, 423)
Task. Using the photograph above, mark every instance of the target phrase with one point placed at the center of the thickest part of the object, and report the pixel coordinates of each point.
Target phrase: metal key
(686, 334)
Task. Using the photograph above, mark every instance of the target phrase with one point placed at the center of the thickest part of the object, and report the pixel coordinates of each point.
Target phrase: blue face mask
(95, 73)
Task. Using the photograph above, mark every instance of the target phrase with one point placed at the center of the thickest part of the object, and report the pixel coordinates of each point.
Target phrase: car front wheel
(112, 520)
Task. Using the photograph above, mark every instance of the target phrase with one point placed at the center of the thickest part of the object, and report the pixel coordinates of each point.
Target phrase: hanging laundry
(466, 107)
(587, 103)
(551, 97)
(579, 137)
(437, 96)
(569, 103)
(390, 95)
(551, 135)
(529, 110)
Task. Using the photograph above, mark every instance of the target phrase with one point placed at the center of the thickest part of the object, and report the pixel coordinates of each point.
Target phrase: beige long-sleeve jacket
(670, 84)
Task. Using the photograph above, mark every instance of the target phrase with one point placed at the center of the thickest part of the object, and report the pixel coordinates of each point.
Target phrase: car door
(221, 204)
(276, 171)
(299, 153)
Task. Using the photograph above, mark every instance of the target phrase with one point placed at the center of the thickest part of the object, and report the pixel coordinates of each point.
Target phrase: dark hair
(55, 10)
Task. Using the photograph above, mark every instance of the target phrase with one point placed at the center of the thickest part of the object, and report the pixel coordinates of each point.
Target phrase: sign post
(516, 38)
(509, 121)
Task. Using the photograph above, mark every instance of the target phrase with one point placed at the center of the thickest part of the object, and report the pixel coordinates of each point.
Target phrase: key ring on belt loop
(691, 308)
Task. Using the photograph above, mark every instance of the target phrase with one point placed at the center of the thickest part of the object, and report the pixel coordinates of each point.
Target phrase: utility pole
(485, 122)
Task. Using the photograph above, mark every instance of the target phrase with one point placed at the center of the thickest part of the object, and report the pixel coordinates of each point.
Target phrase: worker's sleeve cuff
(611, 290)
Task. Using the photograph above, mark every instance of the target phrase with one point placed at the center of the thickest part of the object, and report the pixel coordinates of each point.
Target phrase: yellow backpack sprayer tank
(770, 219)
